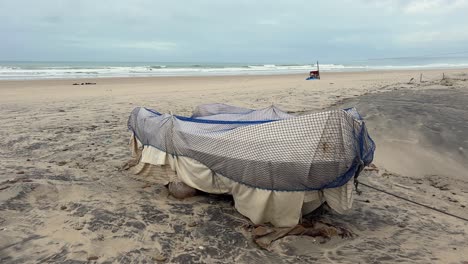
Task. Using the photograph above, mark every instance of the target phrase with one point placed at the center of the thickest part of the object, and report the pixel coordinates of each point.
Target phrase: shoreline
(291, 92)
(305, 74)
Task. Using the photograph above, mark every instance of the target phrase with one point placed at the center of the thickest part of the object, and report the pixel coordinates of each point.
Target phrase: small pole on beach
(443, 76)
(420, 78)
(318, 70)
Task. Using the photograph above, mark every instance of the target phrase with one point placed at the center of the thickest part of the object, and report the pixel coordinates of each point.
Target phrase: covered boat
(277, 166)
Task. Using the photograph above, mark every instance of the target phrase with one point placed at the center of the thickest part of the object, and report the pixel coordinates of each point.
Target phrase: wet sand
(63, 197)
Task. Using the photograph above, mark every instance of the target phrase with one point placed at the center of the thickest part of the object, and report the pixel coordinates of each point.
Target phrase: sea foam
(18, 71)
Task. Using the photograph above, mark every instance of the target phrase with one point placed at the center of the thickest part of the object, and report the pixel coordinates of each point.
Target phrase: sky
(290, 31)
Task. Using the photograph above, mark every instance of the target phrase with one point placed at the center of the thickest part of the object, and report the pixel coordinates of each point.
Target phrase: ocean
(28, 70)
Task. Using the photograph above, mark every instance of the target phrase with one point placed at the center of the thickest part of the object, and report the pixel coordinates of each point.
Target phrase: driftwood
(263, 236)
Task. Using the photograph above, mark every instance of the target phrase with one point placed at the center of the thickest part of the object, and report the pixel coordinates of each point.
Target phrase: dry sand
(64, 199)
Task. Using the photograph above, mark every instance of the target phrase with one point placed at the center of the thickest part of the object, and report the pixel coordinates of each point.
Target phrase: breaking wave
(24, 71)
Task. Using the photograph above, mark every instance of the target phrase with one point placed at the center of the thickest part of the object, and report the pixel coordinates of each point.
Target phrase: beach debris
(85, 83)
(61, 110)
(264, 236)
(63, 207)
(90, 258)
(20, 172)
(61, 163)
(411, 81)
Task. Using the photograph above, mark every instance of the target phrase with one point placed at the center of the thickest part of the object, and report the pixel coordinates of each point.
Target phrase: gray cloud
(210, 30)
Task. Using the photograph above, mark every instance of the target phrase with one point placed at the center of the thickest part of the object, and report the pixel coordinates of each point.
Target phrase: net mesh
(267, 148)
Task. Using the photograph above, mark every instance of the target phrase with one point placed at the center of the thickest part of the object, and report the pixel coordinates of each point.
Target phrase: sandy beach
(65, 199)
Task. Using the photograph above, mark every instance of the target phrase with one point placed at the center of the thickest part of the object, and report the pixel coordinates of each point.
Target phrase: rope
(411, 201)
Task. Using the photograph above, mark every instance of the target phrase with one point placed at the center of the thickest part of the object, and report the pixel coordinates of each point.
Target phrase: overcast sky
(230, 31)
